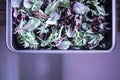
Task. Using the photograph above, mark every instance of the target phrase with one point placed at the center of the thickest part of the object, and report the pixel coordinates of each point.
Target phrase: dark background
(15, 66)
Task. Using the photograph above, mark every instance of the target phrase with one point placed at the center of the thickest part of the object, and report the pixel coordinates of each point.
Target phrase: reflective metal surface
(57, 67)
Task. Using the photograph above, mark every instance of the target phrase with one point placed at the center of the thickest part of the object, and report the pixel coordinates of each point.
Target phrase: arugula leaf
(99, 9)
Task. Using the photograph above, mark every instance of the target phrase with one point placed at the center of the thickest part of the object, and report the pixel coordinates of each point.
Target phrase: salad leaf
(16, 3)
(28, 40)
(37, 5)
(32, 24)
(52, 7)
(60, 24)
(99, 9)
(80, 8)
(65, 3)
(27, 4)
(64, 45)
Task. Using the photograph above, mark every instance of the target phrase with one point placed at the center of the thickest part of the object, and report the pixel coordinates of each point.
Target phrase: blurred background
(15, 66)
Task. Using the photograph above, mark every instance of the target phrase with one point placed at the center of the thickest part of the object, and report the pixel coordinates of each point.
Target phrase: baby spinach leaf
(64, 45)
(52, 7)
(65, 3)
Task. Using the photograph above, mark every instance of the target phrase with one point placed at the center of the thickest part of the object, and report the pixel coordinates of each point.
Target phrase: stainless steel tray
(9, 34)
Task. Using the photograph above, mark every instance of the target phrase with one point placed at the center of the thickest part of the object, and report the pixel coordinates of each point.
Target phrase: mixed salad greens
(60, 24)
